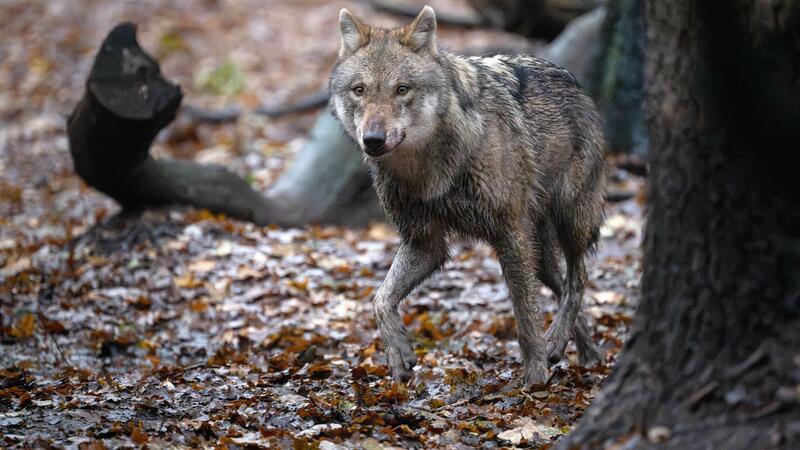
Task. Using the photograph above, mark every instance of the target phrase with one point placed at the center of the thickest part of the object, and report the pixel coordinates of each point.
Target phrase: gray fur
(507, 150)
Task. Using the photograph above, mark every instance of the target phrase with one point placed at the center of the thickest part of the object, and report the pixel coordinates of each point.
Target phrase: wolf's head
(387, 84)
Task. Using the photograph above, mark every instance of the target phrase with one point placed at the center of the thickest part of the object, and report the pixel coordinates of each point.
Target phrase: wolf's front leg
(414, 262)
(518, 262)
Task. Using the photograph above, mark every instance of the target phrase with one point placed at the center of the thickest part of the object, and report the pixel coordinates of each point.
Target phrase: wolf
(506, 150)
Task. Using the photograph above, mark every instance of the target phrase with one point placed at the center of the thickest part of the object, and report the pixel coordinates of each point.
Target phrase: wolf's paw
(401, 359)
(556, 342)
(534, 373)
(589, 355)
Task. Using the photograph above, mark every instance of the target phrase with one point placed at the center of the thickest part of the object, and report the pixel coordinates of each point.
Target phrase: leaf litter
(183, 328)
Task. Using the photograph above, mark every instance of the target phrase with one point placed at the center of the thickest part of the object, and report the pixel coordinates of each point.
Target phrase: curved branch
(231, 114)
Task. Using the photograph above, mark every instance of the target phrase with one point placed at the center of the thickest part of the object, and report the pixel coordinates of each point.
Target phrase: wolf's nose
(374, 140)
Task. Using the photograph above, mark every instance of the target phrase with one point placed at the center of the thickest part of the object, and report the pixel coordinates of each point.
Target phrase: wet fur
(511, 154)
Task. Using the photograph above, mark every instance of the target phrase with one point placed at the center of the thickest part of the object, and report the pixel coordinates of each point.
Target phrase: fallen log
(128, 102)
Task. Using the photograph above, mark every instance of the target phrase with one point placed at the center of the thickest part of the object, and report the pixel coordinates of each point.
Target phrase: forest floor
(181, 328)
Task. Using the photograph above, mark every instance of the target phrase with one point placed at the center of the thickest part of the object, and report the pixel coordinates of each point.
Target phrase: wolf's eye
(402, 89)
(358, 90)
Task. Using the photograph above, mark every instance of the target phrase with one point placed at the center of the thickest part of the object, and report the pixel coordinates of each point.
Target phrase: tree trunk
(713, 358)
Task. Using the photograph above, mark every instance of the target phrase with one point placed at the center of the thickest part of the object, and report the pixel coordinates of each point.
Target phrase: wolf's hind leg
(558, 333)
(413, 263)
(589, 355)
(517, 258)
(549, 273)
(577, 229)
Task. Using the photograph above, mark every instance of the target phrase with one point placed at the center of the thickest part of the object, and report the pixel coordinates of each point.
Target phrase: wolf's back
(541, 102)
(537, 111)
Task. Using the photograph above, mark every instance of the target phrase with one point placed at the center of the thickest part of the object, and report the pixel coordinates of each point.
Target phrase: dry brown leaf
(138, 435)
(25, 326)
(187, 281)
(94, 445)
(202, 266)
(301, 285)
(526, 428)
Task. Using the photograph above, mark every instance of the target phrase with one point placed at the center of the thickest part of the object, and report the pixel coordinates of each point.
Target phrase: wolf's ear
(354, 33)
(421, 34)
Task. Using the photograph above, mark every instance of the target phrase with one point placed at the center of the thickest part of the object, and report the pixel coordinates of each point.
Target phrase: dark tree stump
(127, 103)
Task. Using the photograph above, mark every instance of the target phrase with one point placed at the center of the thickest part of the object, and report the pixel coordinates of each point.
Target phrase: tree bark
(713, 356)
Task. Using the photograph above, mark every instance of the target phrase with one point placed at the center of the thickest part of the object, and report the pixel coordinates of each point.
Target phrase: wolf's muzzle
(374, 142)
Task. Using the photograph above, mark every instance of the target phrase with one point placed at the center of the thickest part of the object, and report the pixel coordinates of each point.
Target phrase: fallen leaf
(526, 429)
(318, 429)
(24, 327)
(202, 266)
(658, 434)
(138, 435)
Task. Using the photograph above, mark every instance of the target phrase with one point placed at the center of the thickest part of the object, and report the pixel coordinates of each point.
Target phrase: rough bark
(712, 360)
(127, 102)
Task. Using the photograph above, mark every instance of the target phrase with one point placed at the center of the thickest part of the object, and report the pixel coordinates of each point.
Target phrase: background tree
(712, 360)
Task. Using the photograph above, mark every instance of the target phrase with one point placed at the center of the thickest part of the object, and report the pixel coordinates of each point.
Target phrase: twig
(754, 358)
(192, 367)
(46, 293)
(42, 320)
(701, 394)
(231, 114)
(427, 414)
(58, 347)
(616, 196)
(633, 164)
